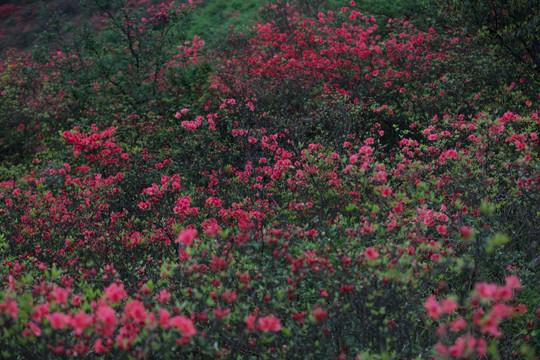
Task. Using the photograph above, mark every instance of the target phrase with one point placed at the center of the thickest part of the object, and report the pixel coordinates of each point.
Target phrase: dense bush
(514, 25)
(313, 187)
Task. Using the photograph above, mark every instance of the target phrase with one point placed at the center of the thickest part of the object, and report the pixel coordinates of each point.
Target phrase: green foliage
(214, 18)
(513, 24)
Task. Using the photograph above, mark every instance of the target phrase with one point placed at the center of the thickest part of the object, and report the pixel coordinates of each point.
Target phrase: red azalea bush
(319, 192)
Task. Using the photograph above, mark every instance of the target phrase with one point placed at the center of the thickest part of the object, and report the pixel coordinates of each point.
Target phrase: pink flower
(80, 321)
(107, 316)
(386, 192)
(318, 313)
(481, 347)
(115, 293)
(229, 296)
(183, 324)
(371, 253)
(491, 326)
(486, 291)
(220, 313)
(10, 307)
(211, 228)
(34, 328)
(433, 308)
(250, 322)
(502, 311)
(186, 236)
(60, 295)
(269, 323)
(164, 317)
(449, 306)
(441, 349)
(458, 325)
(513, 282)
(135, 310)
(163, 296)
(99, 348)
(458, 349)
(441, 229)
(58, 320)
(466, 232)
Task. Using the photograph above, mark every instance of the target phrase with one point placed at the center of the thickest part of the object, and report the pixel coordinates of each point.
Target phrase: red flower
(183, 324)
(186, 236)
(466, 232)
(80, 321)
(58, 320)
(250, 322)
(269, 323)
(318, 313)
(229, 296)
(220, 313)
(163, 296)
(432, 307)
(135, 310)
(10, 307)
(386, 192)
(115, 293)
(371, 253)
(448, 306)
(34, 328)
(513, 282)
(107, 316)
(164, 317)
(60, 295)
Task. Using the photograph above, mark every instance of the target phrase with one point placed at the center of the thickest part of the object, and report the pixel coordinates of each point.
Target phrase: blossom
(34, 328)
(99, 348)
(115, 292)
(80, 321)
(466, 232)
(432, 307)
(269, 323)
(486, 291)
(107, 316)
(386, 192)
(58, 320)
(186, 236)
(318, 313)
(10, 307)
(229, 296)
(250, 322)
(60, 295)
(449, 306)
(457, 325)
(220, 313)
(163, 296)
(164, 317)
(183, 324)
(371, 253)
(135, 310)
(513, 282)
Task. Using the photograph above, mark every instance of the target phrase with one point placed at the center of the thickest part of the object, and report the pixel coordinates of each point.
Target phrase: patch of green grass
(213, 18)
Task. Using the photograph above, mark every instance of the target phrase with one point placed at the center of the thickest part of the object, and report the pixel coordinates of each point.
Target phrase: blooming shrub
(324, 192)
